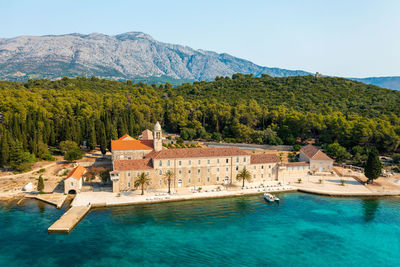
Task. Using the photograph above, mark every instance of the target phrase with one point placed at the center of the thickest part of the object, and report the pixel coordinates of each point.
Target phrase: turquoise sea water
(304, 230)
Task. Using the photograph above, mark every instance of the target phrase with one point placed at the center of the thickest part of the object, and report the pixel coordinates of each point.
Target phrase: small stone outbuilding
(73, 182)
(318, 160)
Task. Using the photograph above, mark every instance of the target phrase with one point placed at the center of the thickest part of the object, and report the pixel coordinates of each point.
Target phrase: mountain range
(129, 56)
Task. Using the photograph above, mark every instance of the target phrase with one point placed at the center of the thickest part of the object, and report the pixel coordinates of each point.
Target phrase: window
(226, 169)
(129, 174)
(237, 168)
(199, 161)
(208, 161)
(180, 163)
(168, 163)
(129, 184)
(147, 173)
(217, 178)
(254, 176)
(208, 179)
(129, 157)
(255, 167)
(160, 172)
(217, 161)
(160, 182)
(189, 180)
(189, 171)
(262, 175)
(262, 167)
(217, 169)
(244, 159)
(180, 171)
(237, 159)
(198, 180)
(269, 166)
(160, 163)
(198, 171)
(208, 170)
(190, 162)
(227, 160)
(72, 183)
(269, 175)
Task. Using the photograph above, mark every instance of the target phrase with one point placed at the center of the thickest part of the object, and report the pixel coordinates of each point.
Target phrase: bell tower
(157, 137)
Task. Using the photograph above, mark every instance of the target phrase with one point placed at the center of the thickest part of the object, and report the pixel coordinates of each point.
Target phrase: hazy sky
(335, 37)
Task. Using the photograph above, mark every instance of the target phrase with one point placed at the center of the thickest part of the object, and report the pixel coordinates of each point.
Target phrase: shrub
(105, 176)
(299, 180)
(320, 181)
(42, 170)
(68, 145)
(296, 147)
(342, 182)
(74, 154)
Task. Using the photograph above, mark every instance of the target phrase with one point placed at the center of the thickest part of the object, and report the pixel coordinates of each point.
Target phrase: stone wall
(130, 154)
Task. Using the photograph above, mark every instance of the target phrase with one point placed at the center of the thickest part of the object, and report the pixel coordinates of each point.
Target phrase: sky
(334, 37)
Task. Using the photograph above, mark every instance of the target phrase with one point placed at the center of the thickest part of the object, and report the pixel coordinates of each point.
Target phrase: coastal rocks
(28, 187)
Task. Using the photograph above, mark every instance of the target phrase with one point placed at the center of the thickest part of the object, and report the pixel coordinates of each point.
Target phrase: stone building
(197, 167)
(192, 167)
(73, 182)
(318, 160)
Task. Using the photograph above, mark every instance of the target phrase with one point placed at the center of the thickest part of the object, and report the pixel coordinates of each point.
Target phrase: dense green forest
(39, 114)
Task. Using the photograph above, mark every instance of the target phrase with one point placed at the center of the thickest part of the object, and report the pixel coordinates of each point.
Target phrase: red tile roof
(133, 164)
(290, 164)
(314, 153)
(126, 137)
(131, 144)
(199, 153)
(76, 172)
(264, 158)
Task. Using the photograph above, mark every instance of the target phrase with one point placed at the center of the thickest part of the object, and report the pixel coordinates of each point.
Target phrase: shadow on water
(370, 206)
(41, 206)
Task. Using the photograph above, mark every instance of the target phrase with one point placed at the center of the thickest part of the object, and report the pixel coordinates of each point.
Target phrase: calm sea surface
(304, 230)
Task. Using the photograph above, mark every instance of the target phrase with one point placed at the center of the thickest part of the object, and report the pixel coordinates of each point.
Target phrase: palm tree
(168, 178)
(141, 180)
(243, 175)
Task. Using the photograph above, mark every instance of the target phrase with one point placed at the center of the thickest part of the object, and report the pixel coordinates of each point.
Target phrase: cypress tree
(4, 150)
(103, 139)
(16, 154)
(373, 167)
(92, 137)
(40, 186)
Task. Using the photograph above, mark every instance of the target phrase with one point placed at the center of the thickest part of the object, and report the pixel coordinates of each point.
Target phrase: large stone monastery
(197, 167)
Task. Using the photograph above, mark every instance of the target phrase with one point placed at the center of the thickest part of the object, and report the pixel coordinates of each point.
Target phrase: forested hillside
(40, 113)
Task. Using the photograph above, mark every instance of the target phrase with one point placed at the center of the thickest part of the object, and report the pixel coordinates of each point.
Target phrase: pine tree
(373, 167)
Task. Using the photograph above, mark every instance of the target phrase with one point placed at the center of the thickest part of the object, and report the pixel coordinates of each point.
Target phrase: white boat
(270, 198)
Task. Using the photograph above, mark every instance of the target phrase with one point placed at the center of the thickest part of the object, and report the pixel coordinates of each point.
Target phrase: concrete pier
(69, 220)
(55, 199)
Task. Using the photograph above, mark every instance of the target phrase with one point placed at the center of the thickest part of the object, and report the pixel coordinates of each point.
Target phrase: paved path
(31, 171)
(108, 199)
